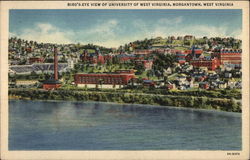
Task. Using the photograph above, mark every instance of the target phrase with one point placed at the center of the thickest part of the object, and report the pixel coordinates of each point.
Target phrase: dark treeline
(219, 93)
(190, 101)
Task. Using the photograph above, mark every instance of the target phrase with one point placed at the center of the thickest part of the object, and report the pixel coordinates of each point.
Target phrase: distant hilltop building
(188, 37)
(179, 38)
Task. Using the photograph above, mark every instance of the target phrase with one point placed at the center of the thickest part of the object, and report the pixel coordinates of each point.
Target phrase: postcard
(124, 80)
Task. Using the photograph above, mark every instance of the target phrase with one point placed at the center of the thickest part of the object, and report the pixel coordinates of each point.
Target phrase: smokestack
(55, 64)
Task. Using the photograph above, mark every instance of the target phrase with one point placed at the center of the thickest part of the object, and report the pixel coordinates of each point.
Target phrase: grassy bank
(202, 102)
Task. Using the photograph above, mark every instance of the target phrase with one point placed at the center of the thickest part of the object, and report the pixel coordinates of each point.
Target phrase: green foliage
(125, 97)
(162, 62)
(140, 69)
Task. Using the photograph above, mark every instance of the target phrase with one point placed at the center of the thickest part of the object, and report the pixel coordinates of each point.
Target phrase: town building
(180, 38)
(36, 60)
(167, 71)
(188, 37)
(146, 63)
(26, 83)
(170, 85)
(148, 83)
(204, 85)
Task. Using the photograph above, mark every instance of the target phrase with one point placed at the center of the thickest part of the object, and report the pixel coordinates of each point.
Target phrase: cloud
(12, 34)
(114, 32)
(170, 21)
(237, 34)
(103, 30)
(222, 30)
(104, 33)
(206, 30)
(167, 27)
(163, 27)
(46, 33)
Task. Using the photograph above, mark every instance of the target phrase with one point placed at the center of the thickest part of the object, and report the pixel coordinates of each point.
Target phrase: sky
(112, 28)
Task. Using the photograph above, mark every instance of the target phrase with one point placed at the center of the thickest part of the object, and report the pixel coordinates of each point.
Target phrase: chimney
(55, 64)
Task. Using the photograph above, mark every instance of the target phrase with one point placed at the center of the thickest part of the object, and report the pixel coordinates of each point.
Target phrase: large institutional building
(118, 79)
(187, 55)
(209, 63)
(218, 57)
(228, 56)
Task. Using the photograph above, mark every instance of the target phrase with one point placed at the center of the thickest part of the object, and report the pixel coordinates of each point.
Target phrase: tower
(53, 83)
(55, 64)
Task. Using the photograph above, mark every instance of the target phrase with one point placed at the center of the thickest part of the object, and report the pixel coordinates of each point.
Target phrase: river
(64, 125)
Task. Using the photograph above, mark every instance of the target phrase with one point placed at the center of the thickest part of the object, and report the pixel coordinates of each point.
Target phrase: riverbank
(199, 102)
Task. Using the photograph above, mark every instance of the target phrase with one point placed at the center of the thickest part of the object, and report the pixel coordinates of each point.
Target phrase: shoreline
(134, 104)
(189, 102)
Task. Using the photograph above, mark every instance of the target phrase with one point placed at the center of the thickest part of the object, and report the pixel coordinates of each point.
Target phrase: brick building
(187, 55)
(194, 52)
(126, 57)
(227, 56)
(208, 62)
(103, 80)
(146, 63)
(143, 51)
(51, 84)
(93, 58)
(181, 56)
(36, 60)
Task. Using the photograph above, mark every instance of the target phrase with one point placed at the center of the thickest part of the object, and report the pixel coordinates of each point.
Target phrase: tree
(101, 81)
(140, 68)
(165, 80)
(140, 80)
(158, 74)
(162, 62)
(33, 75)
(42, 76)
(233, 105)
(149, 73)
(115, 60)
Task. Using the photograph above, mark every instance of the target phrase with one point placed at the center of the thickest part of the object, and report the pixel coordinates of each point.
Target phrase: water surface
(44, 125)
